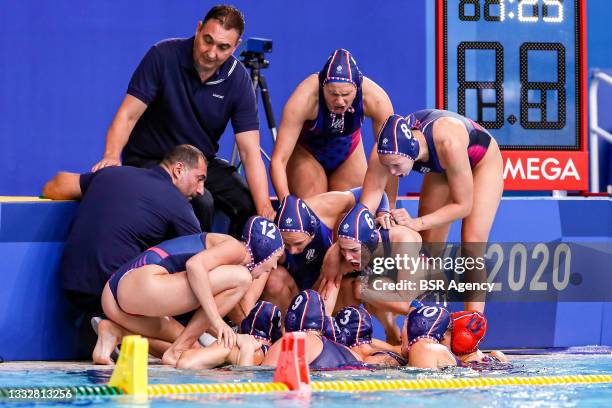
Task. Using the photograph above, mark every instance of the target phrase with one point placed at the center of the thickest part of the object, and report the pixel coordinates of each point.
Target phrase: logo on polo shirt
(310, 255)
(218, 96)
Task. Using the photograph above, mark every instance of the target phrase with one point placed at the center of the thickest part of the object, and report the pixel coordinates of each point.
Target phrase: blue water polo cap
(293, 215)
(429, 322)
(306, 312)
(341, 67)
(356, 323)
(332, 331)
(262, 238)
(358, 225)
(396, 137)
(263, 322)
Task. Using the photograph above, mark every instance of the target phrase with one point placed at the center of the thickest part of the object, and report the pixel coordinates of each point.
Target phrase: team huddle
(140, 254)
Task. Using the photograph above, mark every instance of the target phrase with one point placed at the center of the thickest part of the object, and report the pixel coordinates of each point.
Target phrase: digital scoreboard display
(517, 67)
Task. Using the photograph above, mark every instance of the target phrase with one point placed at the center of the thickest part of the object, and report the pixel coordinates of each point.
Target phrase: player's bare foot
(109, 335)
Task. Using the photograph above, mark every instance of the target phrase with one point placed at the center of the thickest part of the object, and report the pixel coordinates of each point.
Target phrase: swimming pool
(592, 395)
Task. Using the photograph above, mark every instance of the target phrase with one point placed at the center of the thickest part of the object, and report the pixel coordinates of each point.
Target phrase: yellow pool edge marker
(130, 373)
(24, 199)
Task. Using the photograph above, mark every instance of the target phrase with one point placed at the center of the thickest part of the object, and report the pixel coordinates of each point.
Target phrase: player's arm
(374, 182)
(296, 111)
(252, 295)
(229, 252)
(452, 151)
(212, 356)
(327, 206)
(378, 107)
(125, 119)
(255, 170)
(247, 346)
(331, 276)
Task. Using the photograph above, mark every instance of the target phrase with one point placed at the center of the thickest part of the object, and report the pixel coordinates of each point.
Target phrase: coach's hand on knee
(106, 162)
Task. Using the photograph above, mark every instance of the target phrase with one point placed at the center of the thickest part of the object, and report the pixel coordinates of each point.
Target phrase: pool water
(598, 395)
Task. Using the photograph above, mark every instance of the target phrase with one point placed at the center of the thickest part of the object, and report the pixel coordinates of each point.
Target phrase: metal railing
(595, 131)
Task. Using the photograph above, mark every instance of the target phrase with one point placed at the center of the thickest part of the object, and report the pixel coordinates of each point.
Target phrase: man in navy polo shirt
(123, 211)
(186, 91)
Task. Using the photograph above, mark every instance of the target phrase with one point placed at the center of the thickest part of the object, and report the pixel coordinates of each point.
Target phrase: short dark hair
(186, 154)
(229, 17)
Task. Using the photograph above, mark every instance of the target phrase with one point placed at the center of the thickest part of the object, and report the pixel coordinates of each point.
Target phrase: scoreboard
(518, 68)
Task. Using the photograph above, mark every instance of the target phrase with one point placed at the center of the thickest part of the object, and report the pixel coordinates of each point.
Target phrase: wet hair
(187, 154)
(229, 16)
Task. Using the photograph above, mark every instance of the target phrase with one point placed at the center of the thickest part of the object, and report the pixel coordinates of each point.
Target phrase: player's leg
(305, 175)
(475, 228)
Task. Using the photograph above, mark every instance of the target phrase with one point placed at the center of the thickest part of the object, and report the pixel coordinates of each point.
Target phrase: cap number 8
(405, 130)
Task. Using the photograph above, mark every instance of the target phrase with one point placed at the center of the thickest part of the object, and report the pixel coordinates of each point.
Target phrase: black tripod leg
(265, 97)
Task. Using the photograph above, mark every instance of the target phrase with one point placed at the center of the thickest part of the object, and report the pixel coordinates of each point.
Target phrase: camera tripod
(255, 62)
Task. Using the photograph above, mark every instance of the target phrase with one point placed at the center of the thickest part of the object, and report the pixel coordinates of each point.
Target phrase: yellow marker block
(130, 372)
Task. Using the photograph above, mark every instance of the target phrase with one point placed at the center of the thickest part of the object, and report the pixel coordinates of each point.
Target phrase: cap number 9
(298, 301)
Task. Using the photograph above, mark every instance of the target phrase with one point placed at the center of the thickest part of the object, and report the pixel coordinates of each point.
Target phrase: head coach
(185, 91)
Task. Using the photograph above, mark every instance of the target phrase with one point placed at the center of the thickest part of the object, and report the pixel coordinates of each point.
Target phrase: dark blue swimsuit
(171, 255)
(423, 120)
(332, 138)
(306, 266)
(334, 355)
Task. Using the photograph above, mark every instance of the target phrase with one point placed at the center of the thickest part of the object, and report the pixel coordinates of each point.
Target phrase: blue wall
(65, 66)
(599, 15)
